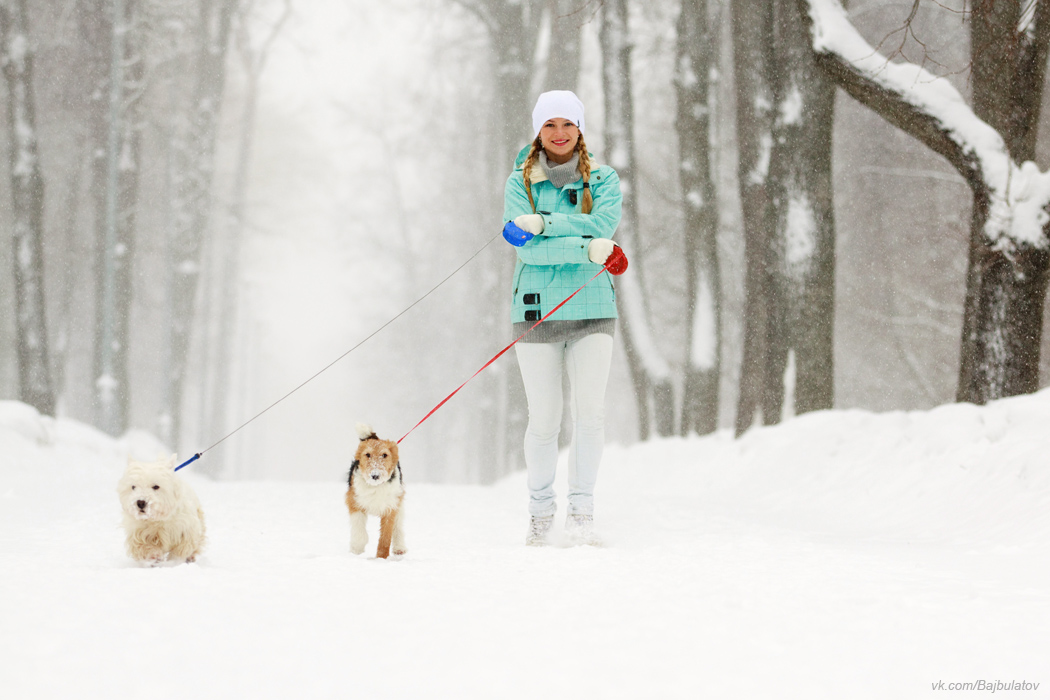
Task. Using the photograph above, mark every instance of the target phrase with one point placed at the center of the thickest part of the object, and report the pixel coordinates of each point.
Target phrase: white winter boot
(539, 528)
(579, 529)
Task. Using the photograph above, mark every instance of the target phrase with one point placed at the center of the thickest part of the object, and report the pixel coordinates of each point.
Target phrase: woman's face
(559, 137)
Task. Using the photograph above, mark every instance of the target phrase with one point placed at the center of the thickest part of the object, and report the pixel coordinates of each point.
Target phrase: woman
(562, 211)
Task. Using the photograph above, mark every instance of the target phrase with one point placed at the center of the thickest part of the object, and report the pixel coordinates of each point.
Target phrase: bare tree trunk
(803, 251)
(563, 59)
(175, 159)
(227, 301)
(114, 147)
(103, 185)
(27, 192)
(785, 108)
(752, 48)
(650, 373)
(695, 60)
(71, 262)
(1009, 234)
(500, 411)
(193, 205)
(115, 187)
(1002, 324)
(129, 156)
(96, 25)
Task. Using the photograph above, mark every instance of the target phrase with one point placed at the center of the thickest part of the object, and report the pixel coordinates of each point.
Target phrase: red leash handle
(500, 353)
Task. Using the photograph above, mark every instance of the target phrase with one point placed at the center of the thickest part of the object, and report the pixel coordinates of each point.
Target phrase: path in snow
(841, 555)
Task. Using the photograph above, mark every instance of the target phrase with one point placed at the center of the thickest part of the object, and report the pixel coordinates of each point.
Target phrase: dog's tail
(365, 432)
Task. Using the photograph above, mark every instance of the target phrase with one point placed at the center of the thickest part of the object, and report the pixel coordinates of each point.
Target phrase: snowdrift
(841, 554)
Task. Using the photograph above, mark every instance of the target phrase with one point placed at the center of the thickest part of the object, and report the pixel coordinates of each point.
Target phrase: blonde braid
(530, 160)
(585, 170)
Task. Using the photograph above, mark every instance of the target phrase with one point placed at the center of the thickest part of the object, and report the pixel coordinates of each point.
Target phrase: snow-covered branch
(932, 110)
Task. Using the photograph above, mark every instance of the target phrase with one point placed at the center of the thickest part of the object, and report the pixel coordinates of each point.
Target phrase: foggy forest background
(232, 194)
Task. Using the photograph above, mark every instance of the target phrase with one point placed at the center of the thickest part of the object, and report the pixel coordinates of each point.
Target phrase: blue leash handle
(516, 236)
(191, 460)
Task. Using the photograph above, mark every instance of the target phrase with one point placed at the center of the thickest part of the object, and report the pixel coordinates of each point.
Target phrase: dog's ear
(350, 477)
(173, 460)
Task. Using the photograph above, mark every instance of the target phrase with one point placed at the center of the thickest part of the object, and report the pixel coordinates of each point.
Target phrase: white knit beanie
(557, 103)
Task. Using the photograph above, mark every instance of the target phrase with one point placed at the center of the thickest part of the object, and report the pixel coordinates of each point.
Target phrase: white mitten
(533, 223)
(599, 249)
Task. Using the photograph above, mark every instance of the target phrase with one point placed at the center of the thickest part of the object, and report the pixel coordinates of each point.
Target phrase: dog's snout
(141, 505)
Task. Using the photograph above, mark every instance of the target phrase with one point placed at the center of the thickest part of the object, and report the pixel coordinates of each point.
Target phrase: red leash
(611, 266)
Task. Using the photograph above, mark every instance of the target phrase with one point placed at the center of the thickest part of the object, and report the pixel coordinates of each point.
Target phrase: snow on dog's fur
(162, 517)
(375, 487)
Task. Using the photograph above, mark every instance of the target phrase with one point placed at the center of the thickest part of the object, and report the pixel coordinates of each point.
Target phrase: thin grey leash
(330, 364)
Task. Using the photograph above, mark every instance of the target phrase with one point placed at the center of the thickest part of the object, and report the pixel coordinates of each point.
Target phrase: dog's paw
(358, 540)
(399, 552)
(157, 560)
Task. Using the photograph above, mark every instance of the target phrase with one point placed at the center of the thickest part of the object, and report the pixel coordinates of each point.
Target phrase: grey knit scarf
(561, 175)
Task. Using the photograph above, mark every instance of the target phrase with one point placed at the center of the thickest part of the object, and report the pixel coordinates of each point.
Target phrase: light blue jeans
(587, 362)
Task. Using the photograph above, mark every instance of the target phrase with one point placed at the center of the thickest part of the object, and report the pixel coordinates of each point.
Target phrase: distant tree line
(124, 157)
(136, 88)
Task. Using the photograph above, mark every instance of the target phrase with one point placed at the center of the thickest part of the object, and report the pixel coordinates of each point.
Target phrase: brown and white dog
(375, 487)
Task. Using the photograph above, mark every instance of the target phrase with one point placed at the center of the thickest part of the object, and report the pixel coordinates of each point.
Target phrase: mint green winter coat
(554, 264)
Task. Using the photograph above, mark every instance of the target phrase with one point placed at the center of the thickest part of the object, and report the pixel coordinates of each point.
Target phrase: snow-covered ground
(843, 554)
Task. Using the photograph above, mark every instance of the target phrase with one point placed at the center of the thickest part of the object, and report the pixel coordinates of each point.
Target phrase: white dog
(162, 516)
